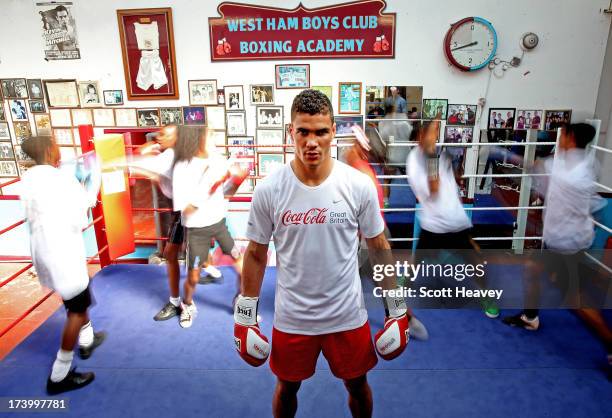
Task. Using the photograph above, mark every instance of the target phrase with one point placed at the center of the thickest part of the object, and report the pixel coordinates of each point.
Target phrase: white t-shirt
(191, 183)
(315, 232)
(568, 226)
(56, 211)
(147, 35)
(442, 212)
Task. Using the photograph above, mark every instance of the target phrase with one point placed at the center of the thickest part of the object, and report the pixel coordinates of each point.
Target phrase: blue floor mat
(471, 366)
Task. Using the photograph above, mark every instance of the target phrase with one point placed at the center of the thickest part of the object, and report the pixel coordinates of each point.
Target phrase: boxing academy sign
(350, 30)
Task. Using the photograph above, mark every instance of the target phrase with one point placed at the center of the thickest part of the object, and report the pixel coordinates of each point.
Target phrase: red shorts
(350, 354)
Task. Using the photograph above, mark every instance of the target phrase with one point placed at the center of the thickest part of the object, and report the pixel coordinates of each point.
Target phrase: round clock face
(470, 43)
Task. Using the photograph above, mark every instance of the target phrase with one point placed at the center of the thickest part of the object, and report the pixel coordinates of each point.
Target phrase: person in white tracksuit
(56, 207)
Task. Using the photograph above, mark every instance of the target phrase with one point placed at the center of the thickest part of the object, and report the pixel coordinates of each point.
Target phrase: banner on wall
(349, 30)
(59, 31)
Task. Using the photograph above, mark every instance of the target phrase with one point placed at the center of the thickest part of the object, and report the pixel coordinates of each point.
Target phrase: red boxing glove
(384, 43)
(377, 45)
(391, 341)
(251, 344)
(219, 48)
(226, 46)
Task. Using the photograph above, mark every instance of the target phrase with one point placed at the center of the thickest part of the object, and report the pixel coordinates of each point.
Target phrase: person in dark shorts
(56, 211)
(198, 191)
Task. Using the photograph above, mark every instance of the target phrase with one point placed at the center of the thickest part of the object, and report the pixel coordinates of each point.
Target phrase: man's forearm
(253, 270)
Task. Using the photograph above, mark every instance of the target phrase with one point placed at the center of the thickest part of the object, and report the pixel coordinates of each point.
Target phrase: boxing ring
(211, 375)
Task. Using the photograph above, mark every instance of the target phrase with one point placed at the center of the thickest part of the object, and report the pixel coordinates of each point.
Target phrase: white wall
(603, 111)
(564, 70)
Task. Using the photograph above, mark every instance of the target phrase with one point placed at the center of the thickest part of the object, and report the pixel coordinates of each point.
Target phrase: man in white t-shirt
(314, 208)
(444, 223)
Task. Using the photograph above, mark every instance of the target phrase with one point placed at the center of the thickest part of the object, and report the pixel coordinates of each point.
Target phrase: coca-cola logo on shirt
(309, 217)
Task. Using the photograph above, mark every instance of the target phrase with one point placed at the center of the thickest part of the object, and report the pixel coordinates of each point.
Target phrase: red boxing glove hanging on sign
(226, 46)
(385, 43)
(220, 50)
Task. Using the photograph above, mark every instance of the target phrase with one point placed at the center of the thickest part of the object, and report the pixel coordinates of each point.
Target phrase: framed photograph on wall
(126, 117)
(35, 89)
(103, 117)
(344, 125)
(268, 162)
(113, 97)
(171, 116)
(349, 97)
(81, 117)
(461, 114)
(270, 117)
(262, 94)
(22, 131)
(219, 139)
(271, 139)
(8, 169)
(2, 112)
(43, 124)
(528, 119)
(14, 88)
(326, 90)
(554, 119)
(215, 117)
(148, 117)
(147, 47)
(60, 118)
(234, 98)
(221, 96)
(501, 118)
(89, 93)
(241, 146)
(292, 76)
(5, 133)
(236, 123)
(289, 139)
(37, 106)
(433, 107)
(6, 151)
(61, 93)
(18, 109)
(202, 92)
(194, 115)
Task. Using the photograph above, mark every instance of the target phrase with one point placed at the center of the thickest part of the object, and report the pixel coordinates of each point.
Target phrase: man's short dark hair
(61, 8)
(583, 133)
(312, 102)
(36, 147)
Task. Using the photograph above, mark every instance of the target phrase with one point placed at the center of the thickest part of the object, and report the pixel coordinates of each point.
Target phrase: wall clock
(470, 44)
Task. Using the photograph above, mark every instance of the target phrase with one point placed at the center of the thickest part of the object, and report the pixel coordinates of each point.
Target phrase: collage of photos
(58, 106)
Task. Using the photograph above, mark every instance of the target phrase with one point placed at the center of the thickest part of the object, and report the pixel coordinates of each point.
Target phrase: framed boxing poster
(147, 46)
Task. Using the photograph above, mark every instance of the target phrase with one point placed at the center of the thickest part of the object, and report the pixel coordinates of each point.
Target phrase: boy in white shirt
(56, 210)
(197, 178)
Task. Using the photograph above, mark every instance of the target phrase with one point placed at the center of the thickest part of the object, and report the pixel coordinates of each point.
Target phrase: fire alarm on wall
(529, 41)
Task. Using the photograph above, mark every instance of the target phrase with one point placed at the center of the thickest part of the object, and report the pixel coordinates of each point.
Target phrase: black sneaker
(208, 279)
(85, 352)
(72, 381)
(167, 312)
(520, 320)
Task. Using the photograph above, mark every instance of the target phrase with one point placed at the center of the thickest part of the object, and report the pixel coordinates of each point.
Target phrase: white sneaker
(188, 313)
(212, 271)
